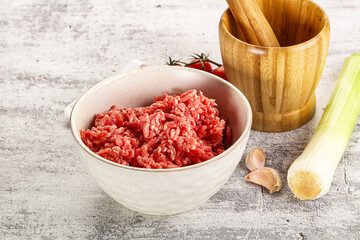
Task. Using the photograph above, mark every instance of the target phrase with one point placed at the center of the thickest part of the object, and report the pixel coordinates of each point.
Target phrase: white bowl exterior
(164, 193)
(172, 190)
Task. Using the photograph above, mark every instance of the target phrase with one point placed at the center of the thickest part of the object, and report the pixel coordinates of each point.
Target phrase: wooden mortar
(279, 82)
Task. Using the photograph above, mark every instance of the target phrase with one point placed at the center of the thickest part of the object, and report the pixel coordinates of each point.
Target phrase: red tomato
(199, 65)
(220, 72)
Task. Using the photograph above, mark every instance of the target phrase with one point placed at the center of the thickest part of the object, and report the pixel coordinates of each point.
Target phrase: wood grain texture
(279, 82)
(52, 52)
(252, 24)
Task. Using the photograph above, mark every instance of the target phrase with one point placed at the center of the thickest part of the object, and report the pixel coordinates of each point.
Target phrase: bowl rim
(161, 68)
(311, 41)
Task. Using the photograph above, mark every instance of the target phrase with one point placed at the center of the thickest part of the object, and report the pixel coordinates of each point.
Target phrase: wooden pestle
(252, 23)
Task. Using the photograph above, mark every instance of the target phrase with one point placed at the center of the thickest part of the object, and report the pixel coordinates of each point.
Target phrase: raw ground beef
(175, 131)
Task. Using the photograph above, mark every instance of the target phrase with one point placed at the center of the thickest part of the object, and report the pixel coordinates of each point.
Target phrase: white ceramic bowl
(162, 191)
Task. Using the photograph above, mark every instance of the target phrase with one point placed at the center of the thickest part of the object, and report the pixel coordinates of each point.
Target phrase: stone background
(53, 51)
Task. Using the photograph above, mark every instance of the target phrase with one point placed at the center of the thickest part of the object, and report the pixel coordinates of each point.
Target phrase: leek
(310, 175)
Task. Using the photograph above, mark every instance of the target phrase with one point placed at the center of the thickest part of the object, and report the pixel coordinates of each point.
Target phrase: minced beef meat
(175, 131)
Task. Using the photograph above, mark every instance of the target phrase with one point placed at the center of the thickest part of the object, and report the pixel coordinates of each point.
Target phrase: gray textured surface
(52, 51)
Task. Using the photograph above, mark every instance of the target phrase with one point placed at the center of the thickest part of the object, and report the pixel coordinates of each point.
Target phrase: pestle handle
(252, 22)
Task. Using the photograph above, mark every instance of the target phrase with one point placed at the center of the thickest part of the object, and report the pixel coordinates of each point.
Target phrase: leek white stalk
(311, 174)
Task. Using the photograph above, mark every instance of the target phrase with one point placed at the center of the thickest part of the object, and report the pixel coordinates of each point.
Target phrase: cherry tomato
(199, 65)
(220, 72)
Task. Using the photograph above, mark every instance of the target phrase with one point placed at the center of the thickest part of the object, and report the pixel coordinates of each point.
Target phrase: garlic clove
(255, 159)
(266, 177)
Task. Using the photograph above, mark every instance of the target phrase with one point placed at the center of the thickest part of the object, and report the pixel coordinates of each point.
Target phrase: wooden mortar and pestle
(274, 51)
